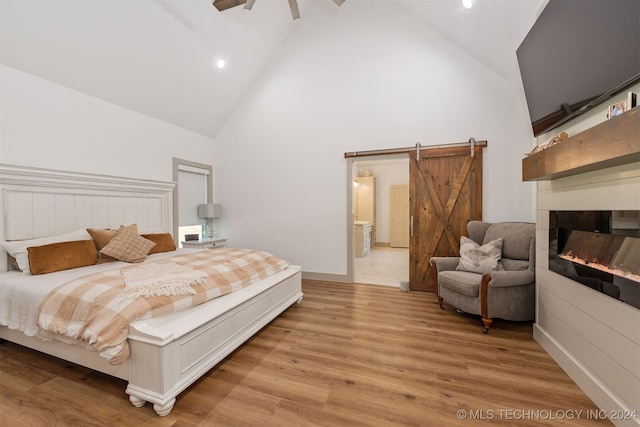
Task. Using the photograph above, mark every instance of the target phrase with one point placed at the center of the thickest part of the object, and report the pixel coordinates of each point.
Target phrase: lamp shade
(209, 210)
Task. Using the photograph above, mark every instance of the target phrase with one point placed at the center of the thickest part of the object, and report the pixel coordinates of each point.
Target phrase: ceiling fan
(248, 4)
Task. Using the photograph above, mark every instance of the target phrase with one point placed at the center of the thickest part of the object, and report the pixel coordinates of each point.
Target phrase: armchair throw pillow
(479, 259)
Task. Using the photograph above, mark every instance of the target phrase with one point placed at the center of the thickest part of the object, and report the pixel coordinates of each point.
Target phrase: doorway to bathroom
(380, 211)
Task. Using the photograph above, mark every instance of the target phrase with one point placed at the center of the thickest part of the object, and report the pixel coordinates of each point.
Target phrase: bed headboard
(38, 202)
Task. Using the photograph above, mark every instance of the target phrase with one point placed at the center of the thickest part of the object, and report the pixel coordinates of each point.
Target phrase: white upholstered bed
(170, 352)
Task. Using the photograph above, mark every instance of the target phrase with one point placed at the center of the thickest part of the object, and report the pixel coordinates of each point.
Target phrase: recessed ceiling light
(468, 4)
(220, 64)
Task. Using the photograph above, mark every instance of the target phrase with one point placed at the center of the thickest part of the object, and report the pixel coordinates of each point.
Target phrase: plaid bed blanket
(97, 310)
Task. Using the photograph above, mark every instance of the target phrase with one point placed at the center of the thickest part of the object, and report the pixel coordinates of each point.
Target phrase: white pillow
(18, 248)
(480, 259)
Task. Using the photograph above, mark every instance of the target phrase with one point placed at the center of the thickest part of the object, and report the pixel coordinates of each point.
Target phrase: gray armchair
(507, 292)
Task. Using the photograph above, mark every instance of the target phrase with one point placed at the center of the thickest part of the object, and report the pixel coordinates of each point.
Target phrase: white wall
(47, 125)
(594, 338)
(382, 80)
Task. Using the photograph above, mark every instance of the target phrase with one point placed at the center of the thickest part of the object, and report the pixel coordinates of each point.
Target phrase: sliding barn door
(445, 194)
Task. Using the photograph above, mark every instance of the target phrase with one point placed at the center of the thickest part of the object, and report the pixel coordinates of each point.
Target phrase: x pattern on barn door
(445, 194)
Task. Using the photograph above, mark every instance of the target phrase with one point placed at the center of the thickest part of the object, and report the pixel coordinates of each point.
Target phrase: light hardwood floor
(348, 355)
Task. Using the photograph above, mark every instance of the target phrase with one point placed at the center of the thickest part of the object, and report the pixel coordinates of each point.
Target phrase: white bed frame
(168, 353)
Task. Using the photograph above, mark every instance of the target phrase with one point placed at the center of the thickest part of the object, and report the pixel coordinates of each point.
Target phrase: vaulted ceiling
(157, 57)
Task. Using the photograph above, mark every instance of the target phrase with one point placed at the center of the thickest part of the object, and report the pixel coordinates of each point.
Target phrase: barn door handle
(411, 226)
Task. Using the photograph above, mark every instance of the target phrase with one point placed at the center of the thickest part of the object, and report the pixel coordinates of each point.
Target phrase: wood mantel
(611, 143)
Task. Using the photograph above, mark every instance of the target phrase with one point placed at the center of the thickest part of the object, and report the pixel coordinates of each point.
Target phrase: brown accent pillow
(128, 246)
(164, 242)
(61, 256)
(102, 237)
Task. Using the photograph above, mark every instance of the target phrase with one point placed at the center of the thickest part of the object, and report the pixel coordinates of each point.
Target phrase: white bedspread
(21, 294)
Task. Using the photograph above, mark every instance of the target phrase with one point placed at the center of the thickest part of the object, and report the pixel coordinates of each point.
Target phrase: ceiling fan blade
(293, 5)
(249, 4)
(226, 4)
(338, 2)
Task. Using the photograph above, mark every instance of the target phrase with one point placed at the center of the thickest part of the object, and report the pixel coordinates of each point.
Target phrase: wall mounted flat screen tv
(577, 55)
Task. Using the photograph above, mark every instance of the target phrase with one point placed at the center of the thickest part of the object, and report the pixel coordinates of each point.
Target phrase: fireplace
(598, 249)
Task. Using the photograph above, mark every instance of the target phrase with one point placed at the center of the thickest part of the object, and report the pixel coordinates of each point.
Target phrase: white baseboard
(325, 277)
(604, 398)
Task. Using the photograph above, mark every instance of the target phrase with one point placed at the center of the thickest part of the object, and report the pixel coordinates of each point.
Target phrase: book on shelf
(632, 100)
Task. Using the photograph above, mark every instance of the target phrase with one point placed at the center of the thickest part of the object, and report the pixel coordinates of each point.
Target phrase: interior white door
(399, 213)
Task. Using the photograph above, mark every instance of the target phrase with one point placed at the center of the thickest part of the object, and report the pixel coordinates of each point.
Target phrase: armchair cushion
(461, 282)
(480, 259)
(514, 264)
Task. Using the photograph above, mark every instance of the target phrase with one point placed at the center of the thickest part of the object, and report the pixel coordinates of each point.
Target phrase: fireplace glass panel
(598, 249)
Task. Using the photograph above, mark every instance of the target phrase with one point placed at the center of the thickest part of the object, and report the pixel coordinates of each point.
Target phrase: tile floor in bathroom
(384, 266)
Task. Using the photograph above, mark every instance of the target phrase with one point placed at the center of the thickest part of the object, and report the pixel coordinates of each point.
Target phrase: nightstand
(205, 244)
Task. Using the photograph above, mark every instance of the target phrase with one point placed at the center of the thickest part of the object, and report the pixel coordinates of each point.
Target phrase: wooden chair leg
(487, 324)
(484, 312)
(434, 272)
